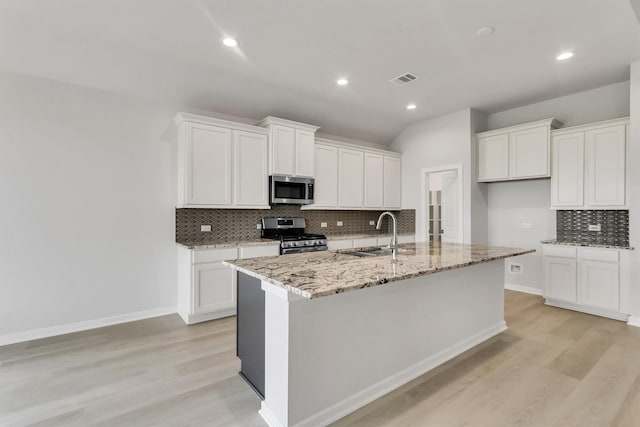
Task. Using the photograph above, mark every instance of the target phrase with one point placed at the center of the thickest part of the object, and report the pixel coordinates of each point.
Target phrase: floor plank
(553, 367)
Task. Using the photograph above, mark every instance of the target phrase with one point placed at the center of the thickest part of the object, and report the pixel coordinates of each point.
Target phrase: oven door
(288, 190)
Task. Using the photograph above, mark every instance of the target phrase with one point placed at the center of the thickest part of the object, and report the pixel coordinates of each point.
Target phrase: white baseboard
(362, 398)
(190, 319)
(520, 288)
(634, 321)
(586, 309)
(68, 328)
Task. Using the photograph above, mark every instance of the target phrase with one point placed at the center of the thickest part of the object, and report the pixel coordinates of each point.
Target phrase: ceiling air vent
(404, 79)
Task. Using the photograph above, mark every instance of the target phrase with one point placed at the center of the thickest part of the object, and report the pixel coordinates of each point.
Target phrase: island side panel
(349, 349)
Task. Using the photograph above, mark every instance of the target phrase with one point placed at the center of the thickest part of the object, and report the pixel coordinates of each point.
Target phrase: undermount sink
(379, 252)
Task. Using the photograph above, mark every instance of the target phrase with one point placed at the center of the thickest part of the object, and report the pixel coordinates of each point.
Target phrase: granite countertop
(588, 245)
(318, 274)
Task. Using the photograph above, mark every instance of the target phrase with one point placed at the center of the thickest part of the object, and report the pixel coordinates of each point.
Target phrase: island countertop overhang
(318, 274)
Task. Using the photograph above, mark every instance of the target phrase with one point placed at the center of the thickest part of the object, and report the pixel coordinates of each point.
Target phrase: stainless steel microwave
(290, 190)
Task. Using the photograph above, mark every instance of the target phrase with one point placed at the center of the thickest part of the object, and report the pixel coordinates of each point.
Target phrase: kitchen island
(341, 330)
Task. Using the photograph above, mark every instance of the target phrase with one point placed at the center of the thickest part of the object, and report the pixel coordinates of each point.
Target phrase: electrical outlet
(205, 228)
(372, 223)
(595, 227)
(525, 225)
(323, 225)
(258, 226)
(339, 224)
(515, 268)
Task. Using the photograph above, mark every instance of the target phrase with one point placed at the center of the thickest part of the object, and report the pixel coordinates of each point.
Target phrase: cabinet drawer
(602, 255)
(409, 238)
(259, 251)
(365, 242)
(340, 244)
(214, 255)
(559, 251)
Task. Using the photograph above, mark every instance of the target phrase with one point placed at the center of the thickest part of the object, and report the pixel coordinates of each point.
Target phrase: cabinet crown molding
(551, 122)
(591, 126)
(366, 149)
(181, 118)
(270, 120)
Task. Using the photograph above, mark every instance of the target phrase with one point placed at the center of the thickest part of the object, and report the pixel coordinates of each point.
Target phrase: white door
(373, 180)
(599, 284)
(251, 180)
(560, 278)
(529, 153)
(567, 175)
(208, 165)
(214, 287)
(392, 182)
(326, 176)
(606, 171)
(449, 206)
(283, 150)
(350, 178)
(305, 141)
(493, 158)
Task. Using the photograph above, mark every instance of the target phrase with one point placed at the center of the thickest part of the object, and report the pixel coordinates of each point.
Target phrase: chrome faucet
(394, 238)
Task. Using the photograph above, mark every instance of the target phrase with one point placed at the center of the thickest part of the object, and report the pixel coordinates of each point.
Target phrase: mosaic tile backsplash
(573, 226)
(240, 224)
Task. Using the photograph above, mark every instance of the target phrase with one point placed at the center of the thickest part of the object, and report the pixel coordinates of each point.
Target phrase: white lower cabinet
(206, 288)
(592, 280)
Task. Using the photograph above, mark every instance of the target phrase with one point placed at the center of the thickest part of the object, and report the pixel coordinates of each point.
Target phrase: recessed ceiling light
(411, 106)
(564, 55)
(342, 82)
(230, 42)
(485, 31)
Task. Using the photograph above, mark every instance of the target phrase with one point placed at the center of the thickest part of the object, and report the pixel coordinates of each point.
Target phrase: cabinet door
(326, 180)
(251, 177)
(560, 278)
(208, 165)
(373, 180)
(493, 158)
(392, 183)
(529, 153)
(599, 284)
(305, 140)
(282, 150)
(567, 175)
(214, 287)
(606, 171)
(350, 178)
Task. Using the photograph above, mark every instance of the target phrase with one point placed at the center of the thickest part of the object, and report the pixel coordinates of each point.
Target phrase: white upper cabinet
(250, 169)
(589, 166)
(350, 178)
(353, 177)
(392, 182)
(373, 180)
(567, 175)
(517, 152)
(606, 166)
(529, 153)
(290, 147)
(208, 165)
(221, 164)
(326, 184)
(493, 158)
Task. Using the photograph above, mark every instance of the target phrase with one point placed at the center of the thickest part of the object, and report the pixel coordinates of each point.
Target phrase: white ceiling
(292, 51)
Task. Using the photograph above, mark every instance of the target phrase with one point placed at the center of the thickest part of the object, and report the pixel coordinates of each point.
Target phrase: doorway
(443, 204)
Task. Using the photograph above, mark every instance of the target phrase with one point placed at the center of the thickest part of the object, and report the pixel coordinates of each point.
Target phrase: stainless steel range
(293, 239)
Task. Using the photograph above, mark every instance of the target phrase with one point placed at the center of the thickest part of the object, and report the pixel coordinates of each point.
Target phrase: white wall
(634, 178)
(512, 204)
(87, 223)
(603, 103)
(443, 141)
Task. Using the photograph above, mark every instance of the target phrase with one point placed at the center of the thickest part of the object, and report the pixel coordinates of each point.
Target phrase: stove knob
(308, 243)
(296, 243)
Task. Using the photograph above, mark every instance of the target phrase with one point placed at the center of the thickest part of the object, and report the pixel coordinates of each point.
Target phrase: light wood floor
(552, 367)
